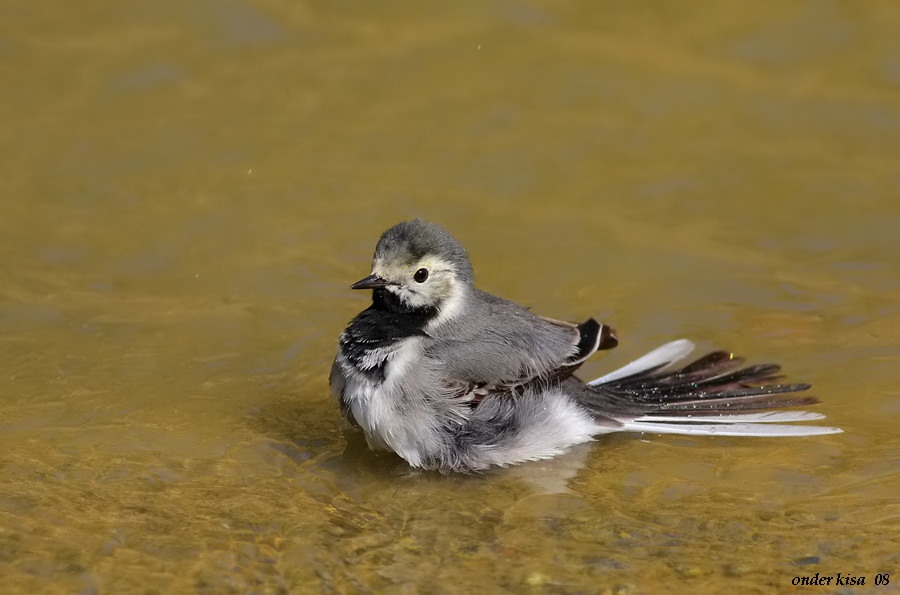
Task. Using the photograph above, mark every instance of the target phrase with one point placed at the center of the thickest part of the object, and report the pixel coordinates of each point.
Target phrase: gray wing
(501, 346)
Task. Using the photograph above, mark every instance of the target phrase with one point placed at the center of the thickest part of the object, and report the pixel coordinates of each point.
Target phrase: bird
(454, 379)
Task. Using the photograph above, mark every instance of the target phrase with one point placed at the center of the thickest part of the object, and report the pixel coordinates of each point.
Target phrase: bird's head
(422, 266)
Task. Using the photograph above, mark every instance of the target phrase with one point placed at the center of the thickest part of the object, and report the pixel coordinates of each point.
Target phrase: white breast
(375, 405)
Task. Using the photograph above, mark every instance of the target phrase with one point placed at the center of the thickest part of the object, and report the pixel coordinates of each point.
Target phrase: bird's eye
(420, 275)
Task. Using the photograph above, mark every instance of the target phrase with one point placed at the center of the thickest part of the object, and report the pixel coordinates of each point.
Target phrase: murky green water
(189, 188)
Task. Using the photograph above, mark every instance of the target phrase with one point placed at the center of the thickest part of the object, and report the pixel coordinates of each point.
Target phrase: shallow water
(189, 188)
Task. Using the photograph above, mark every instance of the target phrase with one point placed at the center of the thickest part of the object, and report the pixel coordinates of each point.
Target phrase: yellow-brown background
(188, 188)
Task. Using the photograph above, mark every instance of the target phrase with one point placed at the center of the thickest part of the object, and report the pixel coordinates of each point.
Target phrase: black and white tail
(713, 395)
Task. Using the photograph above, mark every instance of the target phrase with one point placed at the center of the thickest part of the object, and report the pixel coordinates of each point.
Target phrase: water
(188, 190)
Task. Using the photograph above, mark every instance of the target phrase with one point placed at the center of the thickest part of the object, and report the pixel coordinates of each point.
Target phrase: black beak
(373, 281)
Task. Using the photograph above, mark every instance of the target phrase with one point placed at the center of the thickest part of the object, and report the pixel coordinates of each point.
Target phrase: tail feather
(713, 395)
(733, 418)
(657, 359)
(759, 397)
(738, 429)
(718, 373)
(711, 365)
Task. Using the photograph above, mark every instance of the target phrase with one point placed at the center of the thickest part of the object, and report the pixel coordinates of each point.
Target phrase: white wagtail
(455, 379)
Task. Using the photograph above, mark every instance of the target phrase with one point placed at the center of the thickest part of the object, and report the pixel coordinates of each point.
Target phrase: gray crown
(409, 241)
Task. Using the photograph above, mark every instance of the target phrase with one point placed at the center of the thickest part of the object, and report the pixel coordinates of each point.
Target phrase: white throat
(451, 308)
